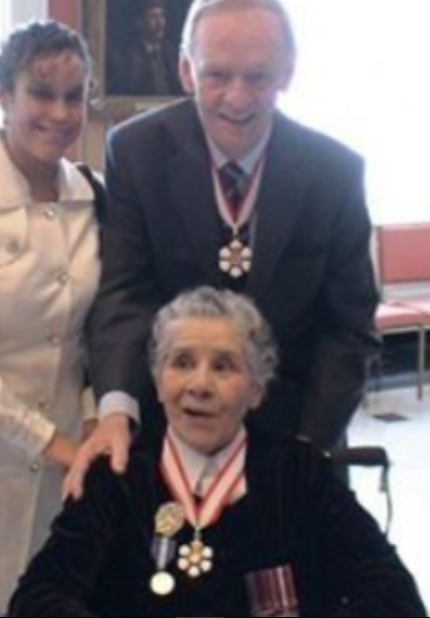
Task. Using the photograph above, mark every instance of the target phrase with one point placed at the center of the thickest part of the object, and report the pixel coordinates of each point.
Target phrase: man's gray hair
(200, 8)
(207, 302)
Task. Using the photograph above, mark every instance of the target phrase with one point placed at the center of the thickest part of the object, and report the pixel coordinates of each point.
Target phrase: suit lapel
(283, 186)
(282, 190)
(193, 196)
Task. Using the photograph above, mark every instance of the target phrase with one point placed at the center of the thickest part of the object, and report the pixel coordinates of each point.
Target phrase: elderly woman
(215, 520)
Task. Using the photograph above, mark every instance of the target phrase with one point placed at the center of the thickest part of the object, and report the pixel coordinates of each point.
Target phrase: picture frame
(111, 28)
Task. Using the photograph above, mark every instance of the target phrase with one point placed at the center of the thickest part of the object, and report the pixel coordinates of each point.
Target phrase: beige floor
(398, 421)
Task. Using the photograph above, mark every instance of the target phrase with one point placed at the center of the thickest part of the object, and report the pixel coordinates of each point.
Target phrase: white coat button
(34, 467)
(44, 405)
(54, 340)
(49, 212)
(63, 278)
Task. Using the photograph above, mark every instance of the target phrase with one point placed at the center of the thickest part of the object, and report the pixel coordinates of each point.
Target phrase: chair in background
(403, 268)
(404, 259)
(393, 320)
(368, 457)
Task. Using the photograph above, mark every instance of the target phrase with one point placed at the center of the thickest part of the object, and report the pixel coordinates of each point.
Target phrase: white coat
(49, 271)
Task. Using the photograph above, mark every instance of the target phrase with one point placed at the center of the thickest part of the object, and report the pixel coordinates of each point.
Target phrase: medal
(163, 550)
(169, 519)
(235, 259)
(195, 558)
(272, 592)
(162, 583)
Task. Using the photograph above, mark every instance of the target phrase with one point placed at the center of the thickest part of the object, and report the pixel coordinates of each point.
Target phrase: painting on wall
(135, 48)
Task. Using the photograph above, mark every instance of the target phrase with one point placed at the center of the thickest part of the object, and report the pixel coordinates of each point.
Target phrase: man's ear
(257, 396)
(186, 74)
(286, 76)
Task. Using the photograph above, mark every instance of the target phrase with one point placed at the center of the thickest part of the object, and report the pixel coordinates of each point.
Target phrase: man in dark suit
(292, 231)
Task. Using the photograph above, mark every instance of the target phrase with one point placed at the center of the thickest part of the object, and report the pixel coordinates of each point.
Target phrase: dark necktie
(158, 72)
(233, 181)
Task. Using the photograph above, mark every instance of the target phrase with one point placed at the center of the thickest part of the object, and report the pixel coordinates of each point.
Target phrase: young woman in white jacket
(49, 271)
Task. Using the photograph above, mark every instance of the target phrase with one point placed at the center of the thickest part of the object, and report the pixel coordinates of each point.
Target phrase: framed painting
(135, 49)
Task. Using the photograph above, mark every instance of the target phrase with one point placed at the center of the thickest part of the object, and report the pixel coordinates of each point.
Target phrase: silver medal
(162, 583)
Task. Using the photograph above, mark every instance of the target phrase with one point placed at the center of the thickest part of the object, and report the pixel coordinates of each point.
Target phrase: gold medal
(162, 583)
(169, 519)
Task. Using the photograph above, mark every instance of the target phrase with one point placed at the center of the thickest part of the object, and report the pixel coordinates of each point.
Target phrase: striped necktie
(233, 181)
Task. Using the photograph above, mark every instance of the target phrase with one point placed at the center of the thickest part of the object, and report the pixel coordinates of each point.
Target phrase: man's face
(236, 69)
(154, 24)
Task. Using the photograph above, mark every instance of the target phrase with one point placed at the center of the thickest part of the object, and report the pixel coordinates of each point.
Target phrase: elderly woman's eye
(225, 364)
(181, 361)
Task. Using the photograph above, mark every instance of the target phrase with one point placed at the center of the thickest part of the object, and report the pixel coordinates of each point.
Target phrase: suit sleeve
(348, 300)
(128, 294)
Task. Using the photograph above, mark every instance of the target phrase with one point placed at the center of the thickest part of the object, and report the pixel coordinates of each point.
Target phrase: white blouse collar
(15, 190)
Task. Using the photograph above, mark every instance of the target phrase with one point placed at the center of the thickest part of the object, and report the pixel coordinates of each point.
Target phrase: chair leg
(421, 361)
(368, 456)
(373, 372)
(368, 374)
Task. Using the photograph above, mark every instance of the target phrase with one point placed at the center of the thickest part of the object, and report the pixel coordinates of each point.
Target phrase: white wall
(24, 10)
(362, 76)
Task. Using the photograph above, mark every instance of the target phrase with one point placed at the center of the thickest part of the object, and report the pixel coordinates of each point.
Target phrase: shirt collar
(248, 161)
(195, 464)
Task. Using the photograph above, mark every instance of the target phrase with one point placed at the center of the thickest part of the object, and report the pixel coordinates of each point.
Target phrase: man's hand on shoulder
(111, 437)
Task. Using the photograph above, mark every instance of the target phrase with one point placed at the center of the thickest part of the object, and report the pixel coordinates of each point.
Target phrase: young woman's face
(45, 111)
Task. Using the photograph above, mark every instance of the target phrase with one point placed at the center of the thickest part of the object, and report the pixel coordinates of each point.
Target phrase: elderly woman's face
(205, 383)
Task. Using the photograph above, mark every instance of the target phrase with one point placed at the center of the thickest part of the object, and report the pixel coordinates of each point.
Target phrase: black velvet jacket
(98, 560)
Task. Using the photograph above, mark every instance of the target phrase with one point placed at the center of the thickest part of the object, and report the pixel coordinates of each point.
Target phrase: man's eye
(259, 80)
(217, 77)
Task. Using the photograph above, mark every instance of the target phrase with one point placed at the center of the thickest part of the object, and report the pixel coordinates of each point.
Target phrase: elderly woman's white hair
(207, 302)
